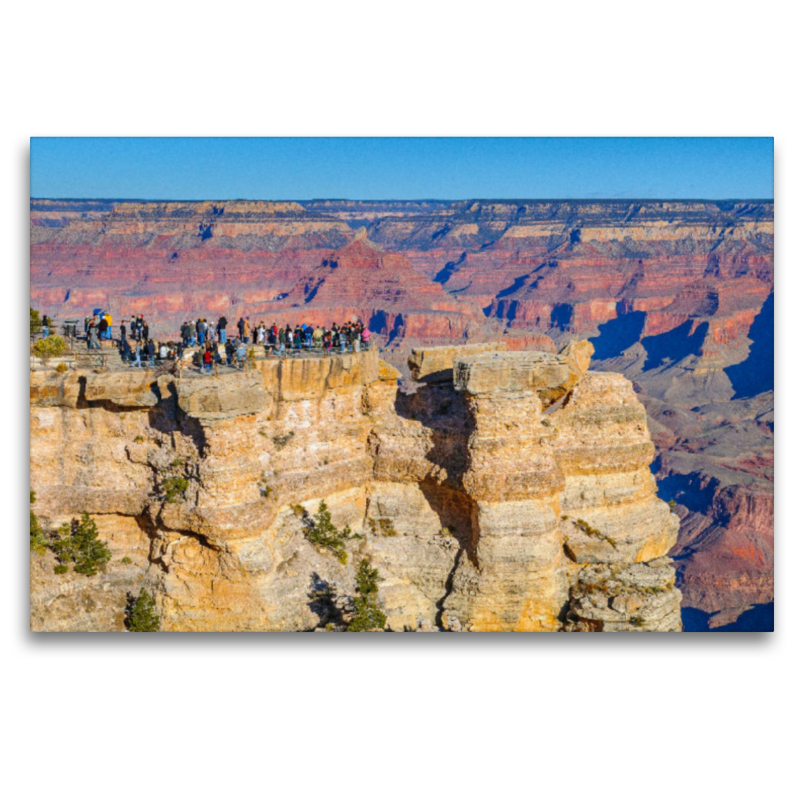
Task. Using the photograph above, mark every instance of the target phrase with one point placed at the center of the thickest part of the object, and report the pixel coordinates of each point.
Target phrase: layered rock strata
(497, 497)
(677, 296)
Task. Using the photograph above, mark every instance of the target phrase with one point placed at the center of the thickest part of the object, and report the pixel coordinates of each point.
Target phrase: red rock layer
(675, 295)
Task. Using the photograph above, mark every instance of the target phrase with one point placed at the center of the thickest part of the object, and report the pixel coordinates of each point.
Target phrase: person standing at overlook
(222, 325)
(241, 355)
(124, 349)
(91, 337)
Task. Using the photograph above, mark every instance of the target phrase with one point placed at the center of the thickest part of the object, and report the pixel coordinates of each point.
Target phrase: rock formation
(676, 296)
(510, 492)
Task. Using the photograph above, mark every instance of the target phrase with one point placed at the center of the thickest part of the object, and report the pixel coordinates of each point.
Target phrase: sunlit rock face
(484, 499)
(676, 296)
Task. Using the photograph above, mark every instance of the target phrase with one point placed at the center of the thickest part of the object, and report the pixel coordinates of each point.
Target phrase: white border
(384, 716)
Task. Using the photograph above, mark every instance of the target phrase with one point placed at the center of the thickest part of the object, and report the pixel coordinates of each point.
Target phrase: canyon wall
(510, 492)
(676, 296)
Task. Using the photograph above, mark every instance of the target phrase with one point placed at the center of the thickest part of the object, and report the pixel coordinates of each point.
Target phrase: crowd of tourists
(211, 343)
(97, 327)
(278, 339)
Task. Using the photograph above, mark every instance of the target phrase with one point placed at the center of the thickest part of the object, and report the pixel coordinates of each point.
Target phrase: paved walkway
(108, 355)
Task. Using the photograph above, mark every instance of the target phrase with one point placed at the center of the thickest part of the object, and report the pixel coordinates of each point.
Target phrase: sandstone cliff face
(676, 296)
(510, 492)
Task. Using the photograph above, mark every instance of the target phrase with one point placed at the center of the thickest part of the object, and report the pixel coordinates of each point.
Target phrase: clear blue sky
(398, 168)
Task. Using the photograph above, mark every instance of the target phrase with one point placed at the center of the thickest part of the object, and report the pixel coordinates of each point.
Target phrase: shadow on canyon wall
(618, 334)
(759, 618)
(756, 374)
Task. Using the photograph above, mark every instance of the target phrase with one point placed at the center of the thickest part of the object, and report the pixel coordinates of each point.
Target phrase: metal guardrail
(110, 357)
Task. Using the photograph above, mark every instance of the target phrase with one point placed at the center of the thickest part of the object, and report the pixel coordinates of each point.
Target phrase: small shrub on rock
(583, 525)
(281, 441)
(382, 526)
(51, 347)
(140, 613)
(175, 489)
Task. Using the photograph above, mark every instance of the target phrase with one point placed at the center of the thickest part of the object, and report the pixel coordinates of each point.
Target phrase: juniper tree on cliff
(368, 615)
(77, 543)
(140, 613)
(38, 540)
(321, 532)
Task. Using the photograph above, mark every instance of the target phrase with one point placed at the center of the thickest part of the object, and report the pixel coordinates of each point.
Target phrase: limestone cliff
(678, 296)
(510, 492)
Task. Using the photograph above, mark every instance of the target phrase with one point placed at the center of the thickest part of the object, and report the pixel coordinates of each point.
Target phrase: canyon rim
(563, 420)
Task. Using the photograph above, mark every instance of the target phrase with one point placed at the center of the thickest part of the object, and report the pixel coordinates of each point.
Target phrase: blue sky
(401, 168)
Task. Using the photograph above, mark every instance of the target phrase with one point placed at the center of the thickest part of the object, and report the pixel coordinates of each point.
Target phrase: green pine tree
(36, 321)
(140, 613)
(322, 532)
(368, 615)
(38, 540)
(77, 543)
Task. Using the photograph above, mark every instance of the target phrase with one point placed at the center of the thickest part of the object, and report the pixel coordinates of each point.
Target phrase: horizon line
(413, 199)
